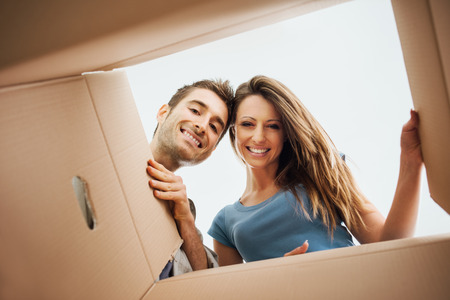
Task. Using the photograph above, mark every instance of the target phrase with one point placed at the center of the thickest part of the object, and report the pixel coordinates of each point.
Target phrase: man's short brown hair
(221, 88)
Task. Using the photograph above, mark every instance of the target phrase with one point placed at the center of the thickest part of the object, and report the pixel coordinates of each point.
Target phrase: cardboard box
(403, 269)
(424, 30)
(52, 39)
(87, 126)
(84, 126)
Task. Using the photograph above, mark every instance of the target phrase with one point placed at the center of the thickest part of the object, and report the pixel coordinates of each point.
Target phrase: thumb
(299, 250)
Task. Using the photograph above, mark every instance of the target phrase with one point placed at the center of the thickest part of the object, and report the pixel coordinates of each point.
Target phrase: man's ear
(162, 113)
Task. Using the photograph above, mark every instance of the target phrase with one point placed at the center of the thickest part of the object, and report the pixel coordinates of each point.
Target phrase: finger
(299, 250)
(160, 175)
(169, 196)
(413, 122)
(157, 165)
(166, 186)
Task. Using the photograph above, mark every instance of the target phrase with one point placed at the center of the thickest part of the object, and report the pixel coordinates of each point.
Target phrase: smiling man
(189, 128)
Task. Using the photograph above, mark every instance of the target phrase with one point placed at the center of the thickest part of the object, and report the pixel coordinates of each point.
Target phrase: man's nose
(201, 125)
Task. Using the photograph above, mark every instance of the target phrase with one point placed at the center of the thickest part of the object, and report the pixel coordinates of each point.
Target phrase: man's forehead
(208, 99)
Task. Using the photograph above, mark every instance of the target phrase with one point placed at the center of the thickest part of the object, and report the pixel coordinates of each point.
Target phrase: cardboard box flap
(51, 39)
(424, 29)
(50, 133)
(416, 268)
(129, 149)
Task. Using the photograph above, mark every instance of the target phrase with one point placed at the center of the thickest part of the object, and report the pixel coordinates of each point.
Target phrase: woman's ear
(162, 113)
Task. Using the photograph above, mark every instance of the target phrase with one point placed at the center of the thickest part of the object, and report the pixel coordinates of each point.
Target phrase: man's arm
(169, 187)
(192, 245)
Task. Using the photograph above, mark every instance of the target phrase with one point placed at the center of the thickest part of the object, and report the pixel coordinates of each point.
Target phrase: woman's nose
(258, 135)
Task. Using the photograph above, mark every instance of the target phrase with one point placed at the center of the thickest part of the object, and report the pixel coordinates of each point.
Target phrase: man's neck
(163, 158)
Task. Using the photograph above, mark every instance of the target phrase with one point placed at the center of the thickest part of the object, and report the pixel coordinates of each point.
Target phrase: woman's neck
(260, 186)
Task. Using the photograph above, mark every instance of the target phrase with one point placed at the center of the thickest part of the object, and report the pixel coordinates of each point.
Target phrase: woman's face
(259, 133)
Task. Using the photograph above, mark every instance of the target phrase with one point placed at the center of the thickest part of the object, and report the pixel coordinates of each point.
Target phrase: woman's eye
(274, 126)
(246, 124)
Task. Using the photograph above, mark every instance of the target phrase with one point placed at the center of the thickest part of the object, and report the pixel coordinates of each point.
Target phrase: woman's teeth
(259, 151)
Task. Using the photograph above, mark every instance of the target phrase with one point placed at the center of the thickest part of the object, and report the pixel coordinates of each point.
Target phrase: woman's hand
(299, 250)
(410, 141)
(169, 187)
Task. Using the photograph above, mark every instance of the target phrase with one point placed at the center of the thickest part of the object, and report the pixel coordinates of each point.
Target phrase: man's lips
(196, 141)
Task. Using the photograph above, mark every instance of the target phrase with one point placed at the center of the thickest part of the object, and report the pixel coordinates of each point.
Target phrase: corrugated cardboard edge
(415, 268)
(424, 29)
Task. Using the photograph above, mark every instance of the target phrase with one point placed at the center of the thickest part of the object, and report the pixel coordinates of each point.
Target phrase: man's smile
(197, 142)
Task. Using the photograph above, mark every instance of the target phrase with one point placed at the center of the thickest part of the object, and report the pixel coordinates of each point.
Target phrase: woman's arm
(402, 217)
(227, 255)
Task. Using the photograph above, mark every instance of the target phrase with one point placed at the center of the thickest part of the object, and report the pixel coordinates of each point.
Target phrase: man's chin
(189, 163)
(193, 160)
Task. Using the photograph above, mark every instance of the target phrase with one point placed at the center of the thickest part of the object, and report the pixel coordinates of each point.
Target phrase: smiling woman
(345, 64)
(298, 188)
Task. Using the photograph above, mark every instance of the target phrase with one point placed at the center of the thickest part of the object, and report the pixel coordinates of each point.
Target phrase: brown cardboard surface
(424, 29)
(50, 132)
(51, 39)
(127, 144)
(416, 268)
(88, 126)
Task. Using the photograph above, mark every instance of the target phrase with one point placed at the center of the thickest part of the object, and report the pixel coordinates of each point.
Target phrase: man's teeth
(258, 150)
(192, 138)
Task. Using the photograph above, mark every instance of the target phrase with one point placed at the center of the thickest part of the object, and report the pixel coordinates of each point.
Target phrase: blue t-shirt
(274, 227)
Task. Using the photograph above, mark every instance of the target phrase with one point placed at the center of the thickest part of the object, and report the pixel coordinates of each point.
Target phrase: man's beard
(169, 146)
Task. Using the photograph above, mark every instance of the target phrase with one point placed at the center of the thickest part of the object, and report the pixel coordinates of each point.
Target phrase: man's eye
(213, 127)
(193, 110)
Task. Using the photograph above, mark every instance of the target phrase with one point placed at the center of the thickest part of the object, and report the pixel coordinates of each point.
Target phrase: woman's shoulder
(228, 208)
(297, 197)
(299, 189)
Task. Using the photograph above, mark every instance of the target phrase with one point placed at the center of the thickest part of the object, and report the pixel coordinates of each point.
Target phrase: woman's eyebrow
(270, 120)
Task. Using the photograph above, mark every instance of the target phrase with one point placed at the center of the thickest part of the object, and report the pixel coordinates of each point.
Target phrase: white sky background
(344, 63)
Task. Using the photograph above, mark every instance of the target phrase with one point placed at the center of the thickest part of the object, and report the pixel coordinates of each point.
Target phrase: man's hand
(169, 187)
(299, 250)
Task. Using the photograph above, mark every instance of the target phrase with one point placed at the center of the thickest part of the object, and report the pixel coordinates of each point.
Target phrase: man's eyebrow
(201, 103)
(204, 105)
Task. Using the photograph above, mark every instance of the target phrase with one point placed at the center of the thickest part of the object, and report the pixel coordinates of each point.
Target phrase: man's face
(189, 132)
